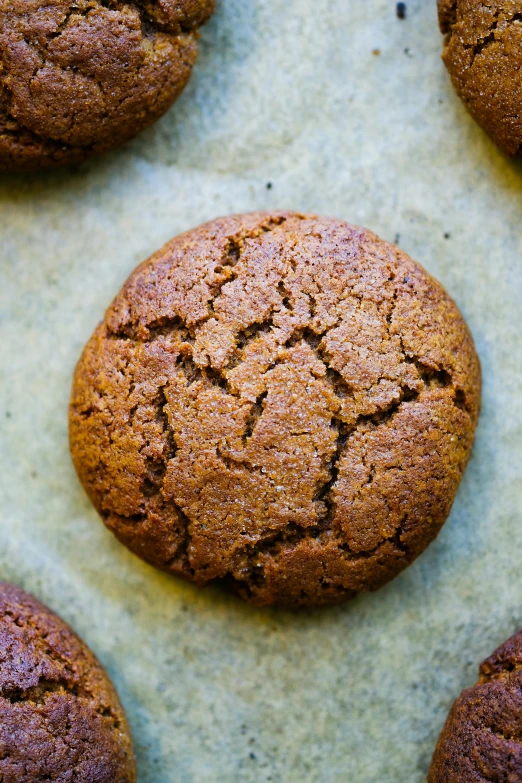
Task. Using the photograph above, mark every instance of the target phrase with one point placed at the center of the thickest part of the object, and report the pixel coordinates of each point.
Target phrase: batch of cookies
(279, 403)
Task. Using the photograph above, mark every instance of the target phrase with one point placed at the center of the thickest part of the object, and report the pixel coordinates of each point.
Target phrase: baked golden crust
(482, 739)
(483, 54)
(60, 718)
(280, 402)
(81, 78)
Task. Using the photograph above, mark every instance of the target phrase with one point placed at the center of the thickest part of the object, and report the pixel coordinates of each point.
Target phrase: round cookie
(482, 738)
(60, 718)
(281, 403)
(78, 78)
(483, 54)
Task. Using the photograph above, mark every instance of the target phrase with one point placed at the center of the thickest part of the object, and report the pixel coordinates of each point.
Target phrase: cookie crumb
(376, 52)
(401, 10)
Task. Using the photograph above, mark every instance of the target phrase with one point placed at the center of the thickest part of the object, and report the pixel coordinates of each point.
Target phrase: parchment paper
(287, 92)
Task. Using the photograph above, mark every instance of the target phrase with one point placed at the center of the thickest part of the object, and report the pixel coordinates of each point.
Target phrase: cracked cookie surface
(280, 403)
(483, 54)
(60, 718)
(79, 78)
(482, 739)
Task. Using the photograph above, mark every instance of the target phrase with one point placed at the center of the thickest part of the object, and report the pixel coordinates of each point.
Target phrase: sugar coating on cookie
(482, 738)
(60, 718)
(281, 403)
(81, 77)
(483, 54)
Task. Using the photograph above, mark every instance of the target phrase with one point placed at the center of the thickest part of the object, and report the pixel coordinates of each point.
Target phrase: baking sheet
(287, 92)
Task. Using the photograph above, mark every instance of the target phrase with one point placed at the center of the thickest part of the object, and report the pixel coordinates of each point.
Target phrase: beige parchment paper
(291, 93)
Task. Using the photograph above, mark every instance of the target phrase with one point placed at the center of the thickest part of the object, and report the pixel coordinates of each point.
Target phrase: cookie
(483, 54)
(79, 78)
(482, 738)
(279, 403)
(60, 718)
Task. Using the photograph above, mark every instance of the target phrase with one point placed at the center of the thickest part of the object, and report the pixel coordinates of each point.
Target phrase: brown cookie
(282, 403)
(483, 54)
(78, 78)
(60, 718)
(482, 739)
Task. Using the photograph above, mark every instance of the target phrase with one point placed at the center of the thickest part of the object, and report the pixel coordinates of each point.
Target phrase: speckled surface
(288, 93)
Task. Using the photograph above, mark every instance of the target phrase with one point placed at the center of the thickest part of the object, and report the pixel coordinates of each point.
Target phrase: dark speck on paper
(401, 10)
